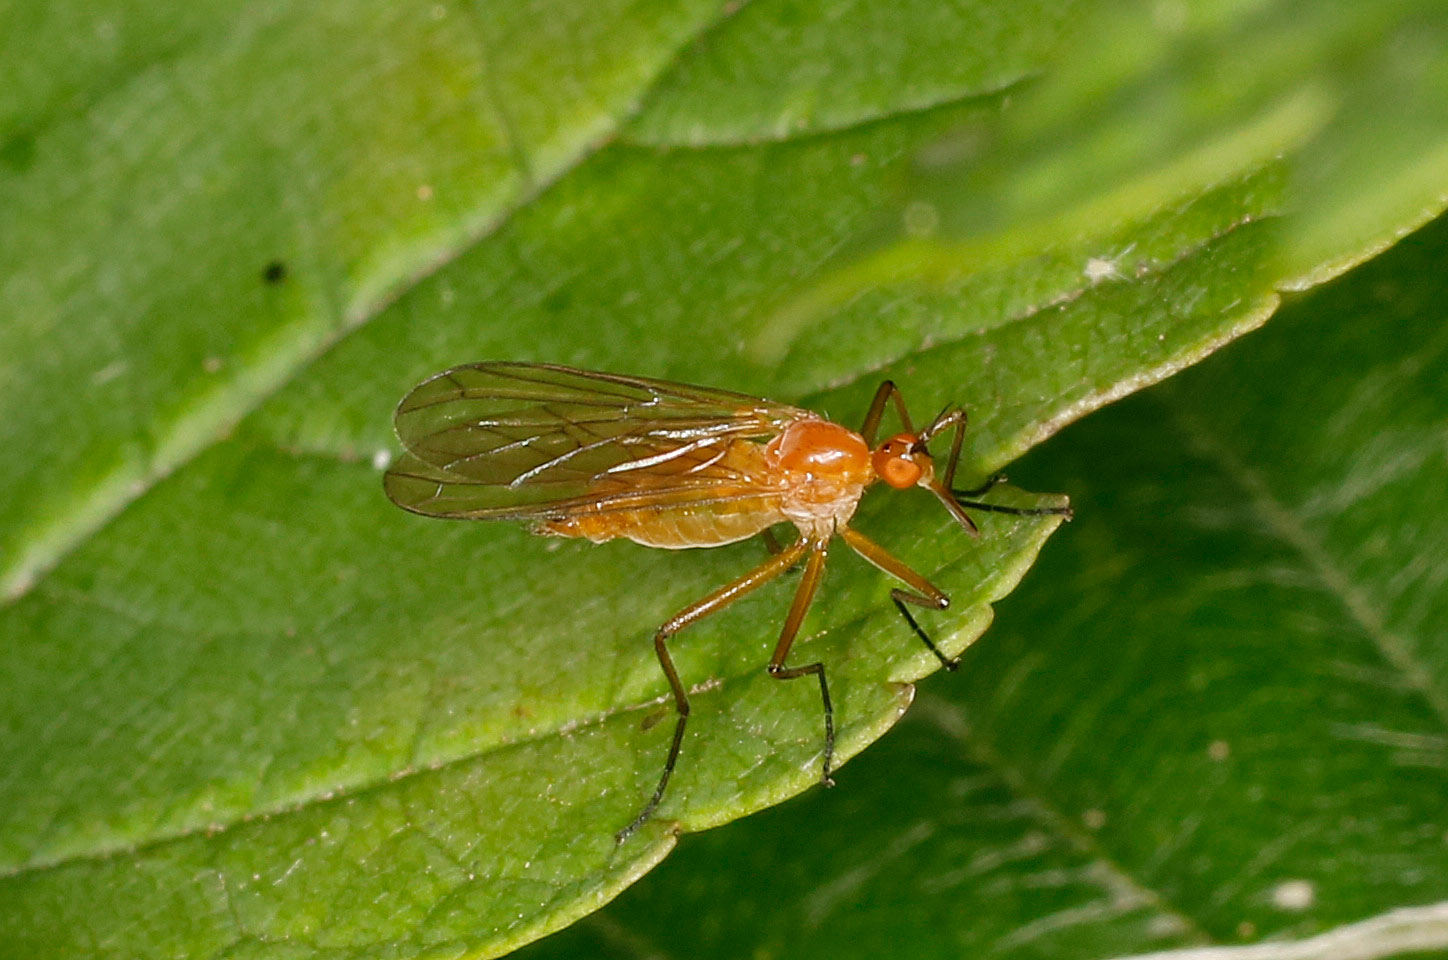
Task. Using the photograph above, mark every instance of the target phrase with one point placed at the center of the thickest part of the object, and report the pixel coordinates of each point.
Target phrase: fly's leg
(884, 395)
(962, 498)
(989, 485)
(949, 417)
(1066, 511)
(958, 501)
(714, 602)
(926, 594)
(772, 544)
(814, 569)
(954, 419)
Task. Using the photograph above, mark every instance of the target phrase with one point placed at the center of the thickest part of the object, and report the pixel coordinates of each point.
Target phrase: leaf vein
(1291, 529)
(1122, 885)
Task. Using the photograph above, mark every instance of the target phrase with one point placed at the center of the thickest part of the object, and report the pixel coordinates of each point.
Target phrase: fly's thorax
(818, 450)
(825, 468)
(820, 519)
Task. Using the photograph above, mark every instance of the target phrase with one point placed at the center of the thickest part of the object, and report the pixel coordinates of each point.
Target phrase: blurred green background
(249, 709)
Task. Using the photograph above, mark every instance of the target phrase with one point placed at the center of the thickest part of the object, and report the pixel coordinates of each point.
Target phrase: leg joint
(936, 601)
(780, 671)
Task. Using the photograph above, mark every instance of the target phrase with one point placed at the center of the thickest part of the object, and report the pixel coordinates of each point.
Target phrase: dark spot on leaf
(274, 272)
(558, 301)
(18, 152)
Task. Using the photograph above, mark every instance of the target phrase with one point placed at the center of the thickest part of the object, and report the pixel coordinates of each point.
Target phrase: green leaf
(155, 178)
(1345, 104)
(248, 707)
(1215, 713)
(792, 67)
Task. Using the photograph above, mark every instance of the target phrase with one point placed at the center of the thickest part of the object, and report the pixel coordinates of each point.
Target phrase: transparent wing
(526, 440)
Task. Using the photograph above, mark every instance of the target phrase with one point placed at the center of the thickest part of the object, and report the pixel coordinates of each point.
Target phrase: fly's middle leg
(814, 569)
(714, 602)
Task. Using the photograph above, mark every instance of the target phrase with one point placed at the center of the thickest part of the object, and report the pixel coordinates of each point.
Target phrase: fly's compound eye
(894, 463)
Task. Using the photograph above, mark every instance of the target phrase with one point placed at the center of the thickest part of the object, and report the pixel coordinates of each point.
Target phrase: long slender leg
(956, 510)
(814, 569)
(986, 487)
(926, 594)
(713, 603)
(955, 443)
(1017, 511)
(887, 391)
(957, 500)
(772, 544)
(949, 417)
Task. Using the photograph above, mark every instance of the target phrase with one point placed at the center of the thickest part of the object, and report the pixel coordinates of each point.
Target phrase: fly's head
(904, 461)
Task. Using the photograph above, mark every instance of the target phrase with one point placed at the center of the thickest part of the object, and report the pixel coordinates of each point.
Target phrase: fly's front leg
(951, 418)
(926, 594)
(714, 602)
(884, 395)
(957, 501)
(986, 487)
(956, 496)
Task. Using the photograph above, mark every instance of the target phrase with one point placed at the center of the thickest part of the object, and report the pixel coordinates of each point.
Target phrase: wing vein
(516, 441)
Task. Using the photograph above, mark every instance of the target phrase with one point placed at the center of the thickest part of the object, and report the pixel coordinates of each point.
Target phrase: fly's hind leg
(925, 594)
(775, 548)
(814, 569)
(714, 602)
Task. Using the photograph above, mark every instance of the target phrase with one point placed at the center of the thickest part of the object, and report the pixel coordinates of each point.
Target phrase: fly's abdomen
(731, 511)
(676, 528)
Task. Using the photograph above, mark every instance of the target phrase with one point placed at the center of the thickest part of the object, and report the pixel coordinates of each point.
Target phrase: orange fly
(577, 453)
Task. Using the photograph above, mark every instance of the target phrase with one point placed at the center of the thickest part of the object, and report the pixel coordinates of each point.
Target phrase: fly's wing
(539, 441)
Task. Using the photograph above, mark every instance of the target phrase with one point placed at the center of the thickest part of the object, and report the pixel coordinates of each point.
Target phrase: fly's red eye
(900, 472)
(893, 462)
